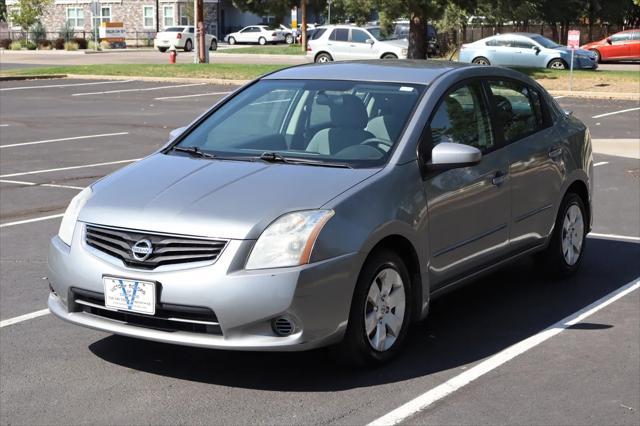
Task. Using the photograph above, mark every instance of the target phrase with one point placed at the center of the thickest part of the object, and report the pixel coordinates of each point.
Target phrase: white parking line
(35, 219)
(51, 185)
(601, 163)
(68, 168)
(559, 97)
(191, 96)
(614, 237)
(64, 139)
(4, 125)
(6, 89)
(24, 317)
(428, 398)
(615, 112)
(139, 90)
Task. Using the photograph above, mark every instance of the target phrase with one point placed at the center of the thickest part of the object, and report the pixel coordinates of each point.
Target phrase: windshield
(545, 42)
(380, 35)
(327, 122)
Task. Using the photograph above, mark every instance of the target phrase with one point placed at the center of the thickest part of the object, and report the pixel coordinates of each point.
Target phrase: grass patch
(221, 71)
(287, 49)
(586, 80)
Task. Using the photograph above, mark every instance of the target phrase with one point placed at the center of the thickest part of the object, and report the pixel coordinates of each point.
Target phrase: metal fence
(133, 38)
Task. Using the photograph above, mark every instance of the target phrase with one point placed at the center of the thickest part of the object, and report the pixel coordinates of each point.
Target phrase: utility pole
(329, 17)
(199, 37)
(303, 26)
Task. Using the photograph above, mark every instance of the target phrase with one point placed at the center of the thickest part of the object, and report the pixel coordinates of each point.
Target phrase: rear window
(340, 34)
(174, 29)
(317, 33)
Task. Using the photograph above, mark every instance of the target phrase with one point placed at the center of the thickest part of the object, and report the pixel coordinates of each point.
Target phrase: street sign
(573, 39)
(113, 32)
(294, 18)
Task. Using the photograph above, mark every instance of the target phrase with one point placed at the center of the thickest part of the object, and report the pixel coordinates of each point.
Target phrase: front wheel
(566, 248)
(481, 60)
(389, 56)
(213, 45)
(162, 49)
(262, 41)
(380, 312)
(232, 41)
(288, 39)
(323, 57)
(188, 45)
(598, 57)
(557, 64)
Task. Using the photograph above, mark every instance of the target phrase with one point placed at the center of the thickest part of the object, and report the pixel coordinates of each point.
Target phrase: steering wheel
(376, 142)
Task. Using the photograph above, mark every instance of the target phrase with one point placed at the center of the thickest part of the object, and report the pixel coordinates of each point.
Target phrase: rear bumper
(317, 297)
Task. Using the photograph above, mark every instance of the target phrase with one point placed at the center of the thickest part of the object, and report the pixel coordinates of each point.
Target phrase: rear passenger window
(358, 36)
(462, 118)
(518, 107)
(340, 34)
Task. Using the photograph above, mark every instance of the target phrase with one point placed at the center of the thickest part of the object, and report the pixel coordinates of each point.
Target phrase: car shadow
(463, 327)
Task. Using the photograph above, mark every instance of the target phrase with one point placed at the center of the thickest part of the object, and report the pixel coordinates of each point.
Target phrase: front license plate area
(129, 295)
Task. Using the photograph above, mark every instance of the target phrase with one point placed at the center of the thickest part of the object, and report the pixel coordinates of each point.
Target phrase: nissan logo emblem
(142, 250)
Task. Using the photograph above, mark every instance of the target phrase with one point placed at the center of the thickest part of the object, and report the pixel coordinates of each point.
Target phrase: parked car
(289, 34)
(525, 50)
(401, 31)
(182, 37)
(624, 45)
(327, 205)
(261, 34)
(347, 42)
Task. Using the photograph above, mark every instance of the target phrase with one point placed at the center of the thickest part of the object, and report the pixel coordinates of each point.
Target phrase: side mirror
(448, 155)
(536, 49)
(609, 40)
(369, 41)
(176, 132)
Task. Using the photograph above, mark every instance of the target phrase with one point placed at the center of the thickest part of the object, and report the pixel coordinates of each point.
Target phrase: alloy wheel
(384, 309)
(572, 234)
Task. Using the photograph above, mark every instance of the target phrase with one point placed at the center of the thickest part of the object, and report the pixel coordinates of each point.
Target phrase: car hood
(567, 51)
(212, 198)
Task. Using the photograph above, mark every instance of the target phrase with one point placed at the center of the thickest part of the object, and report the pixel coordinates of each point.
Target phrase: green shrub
(81, 42)
(38, 32)
(66, 32)
(30, 45)
(15, 45)
(105, 44)
(92, 45)
(58, 43)
(45, 44)
(5, 43)
(71, 45)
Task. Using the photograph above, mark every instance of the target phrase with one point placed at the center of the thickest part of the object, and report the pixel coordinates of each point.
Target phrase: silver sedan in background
(327, 205)
(525, 50)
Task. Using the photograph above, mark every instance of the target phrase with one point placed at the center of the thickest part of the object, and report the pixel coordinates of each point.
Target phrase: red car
(624, 45)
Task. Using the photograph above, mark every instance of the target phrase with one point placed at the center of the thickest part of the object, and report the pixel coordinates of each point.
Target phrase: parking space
(56, 373)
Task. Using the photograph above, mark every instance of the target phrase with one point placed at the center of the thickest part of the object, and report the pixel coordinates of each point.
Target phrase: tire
(323, 57)
(389, 56)
(481, 60)
(598, 56)
(213, 45)
(188, 46)
(288, 39)
(232, 41)
(262, 41)
(385, 279)
(561, 258)
(162, 49)
(557, 64)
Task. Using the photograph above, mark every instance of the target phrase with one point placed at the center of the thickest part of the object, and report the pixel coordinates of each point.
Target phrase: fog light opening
(283, 326)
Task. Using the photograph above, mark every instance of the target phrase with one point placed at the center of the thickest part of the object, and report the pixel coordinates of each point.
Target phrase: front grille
(166, 249)
(168, 317)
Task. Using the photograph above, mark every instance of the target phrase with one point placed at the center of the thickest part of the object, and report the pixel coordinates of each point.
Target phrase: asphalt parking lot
(58, 136)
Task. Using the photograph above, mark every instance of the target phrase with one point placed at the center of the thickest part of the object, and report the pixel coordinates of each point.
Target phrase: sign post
(329, 14)
(96, 11)
(573, 42)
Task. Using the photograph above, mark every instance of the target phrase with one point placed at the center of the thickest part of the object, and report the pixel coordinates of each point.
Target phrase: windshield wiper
(194, 151)
(274, 157)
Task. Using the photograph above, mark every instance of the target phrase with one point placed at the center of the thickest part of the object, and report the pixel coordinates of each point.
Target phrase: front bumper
(317, 297)
(585, 63)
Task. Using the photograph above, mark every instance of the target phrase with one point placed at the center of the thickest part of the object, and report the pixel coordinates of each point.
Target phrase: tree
(28, 12)
(277, 8)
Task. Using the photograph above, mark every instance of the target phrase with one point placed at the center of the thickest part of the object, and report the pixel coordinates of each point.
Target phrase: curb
(32, 77)
(595, 95)
(219, 81)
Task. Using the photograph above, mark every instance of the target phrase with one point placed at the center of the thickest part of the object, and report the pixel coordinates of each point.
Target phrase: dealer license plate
(130, 295)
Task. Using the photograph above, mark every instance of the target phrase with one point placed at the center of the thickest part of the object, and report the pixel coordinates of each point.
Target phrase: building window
(105, 14)
(148, 16)
(75, 17)
(185, 13)
(167, 13)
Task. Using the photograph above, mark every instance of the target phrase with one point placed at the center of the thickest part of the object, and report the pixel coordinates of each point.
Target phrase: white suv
(348, 42)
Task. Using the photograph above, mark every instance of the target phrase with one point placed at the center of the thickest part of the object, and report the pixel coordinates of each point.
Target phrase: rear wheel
(323, 57)
(389, 56)
(380, 312)
(262, 41)
(162, 49)
(566, 248)
(481, 60)
(188, 45)
(232, 41)
(557, 64)
(597, 53)
(213, 45)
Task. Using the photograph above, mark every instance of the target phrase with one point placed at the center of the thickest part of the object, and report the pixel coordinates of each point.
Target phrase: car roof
(390, 71)
(519, 34)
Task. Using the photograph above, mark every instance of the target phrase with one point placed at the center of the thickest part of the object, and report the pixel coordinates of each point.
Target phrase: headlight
(288, 241)
(404, 51)
(71, 215)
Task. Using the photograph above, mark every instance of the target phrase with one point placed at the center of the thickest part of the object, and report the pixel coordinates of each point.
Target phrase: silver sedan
(318, 206)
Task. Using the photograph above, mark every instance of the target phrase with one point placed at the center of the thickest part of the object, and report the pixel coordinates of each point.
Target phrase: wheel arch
(315, 58)
(579, 187)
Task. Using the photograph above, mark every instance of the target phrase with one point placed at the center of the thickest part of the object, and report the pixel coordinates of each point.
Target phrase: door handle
(555, 151)
(499, 178)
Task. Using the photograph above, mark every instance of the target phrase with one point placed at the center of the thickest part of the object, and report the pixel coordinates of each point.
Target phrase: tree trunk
(202, 59)
(417, 36)
(554, 32)
(303, 25)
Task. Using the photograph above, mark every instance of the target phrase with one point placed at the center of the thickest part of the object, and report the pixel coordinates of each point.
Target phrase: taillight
(179, 36)
(308, 48)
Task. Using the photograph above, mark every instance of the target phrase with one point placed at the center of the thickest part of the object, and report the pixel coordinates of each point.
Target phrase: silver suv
(326, 205)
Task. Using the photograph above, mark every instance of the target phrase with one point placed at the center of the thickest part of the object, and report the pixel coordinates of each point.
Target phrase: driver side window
(462, 118)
